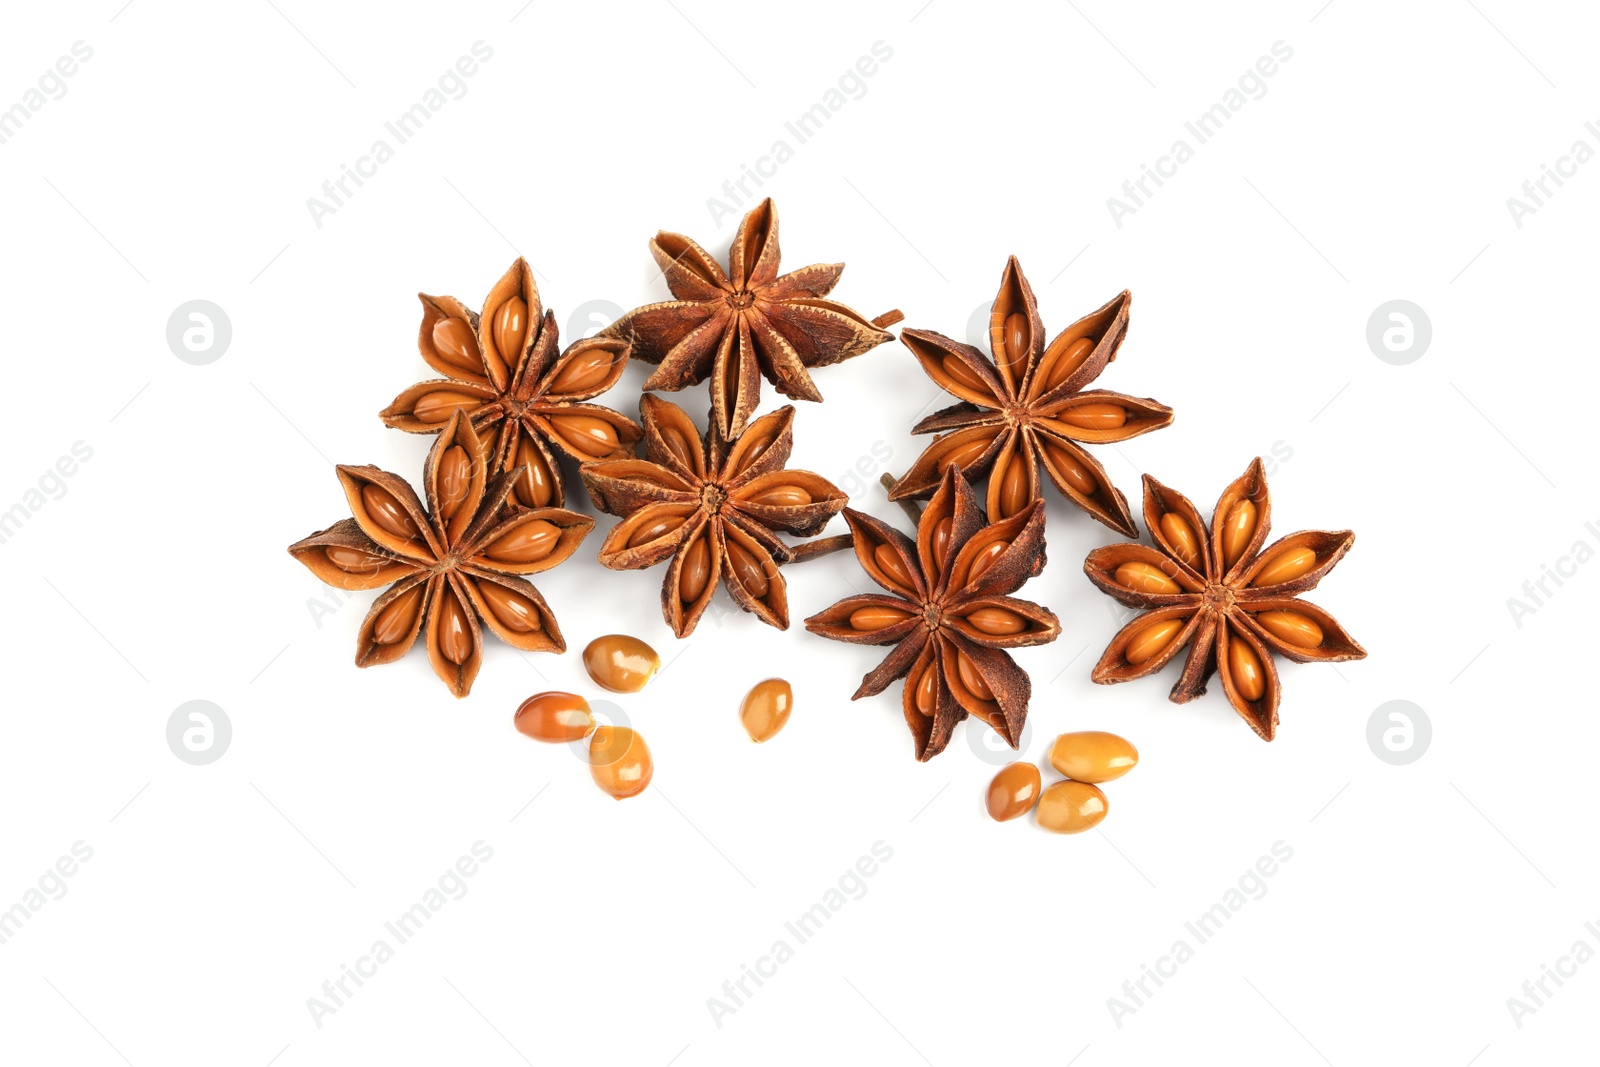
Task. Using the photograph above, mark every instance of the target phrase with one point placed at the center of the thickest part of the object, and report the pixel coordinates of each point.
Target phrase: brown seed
(961, 456)
(964, 375)
(555, 717)
(439, 405)
(874, 617)
(1099, 416)
(997, 622)
(528, 543)
(1013, 791)
(353, 560)
(620, 663)
(1145, 578)
(753, 446)
(1292, 627)
(455, 640)
(1092, 756)
(981, 562)
(510, 608)
(696, 571)
(1013, 486)
(888, 561)
(766, 708)
(748, 571)
(385, 510)
(782, 496)
(1071, 807)
(511, 330)
(1060, 360)
(453, 340)
(395, 622)
(536, 488)
(619, 761)
(1148, 642)
(678, 445)
(455, 479)
(971, 680)
(1071, 471)
(1238, 526)
(926, 697)
(586, 434)
(941, 540)
(1182, 539)
(1018, 348)
(1245, 666)
(586, 371)
(1286, 566)
(650, 531)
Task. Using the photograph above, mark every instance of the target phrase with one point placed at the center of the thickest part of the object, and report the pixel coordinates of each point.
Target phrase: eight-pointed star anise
(748, 322)
(452, 565)
(1214, 590)
(712, 507)
(949, 617)
(503, 370)
(1027, 407)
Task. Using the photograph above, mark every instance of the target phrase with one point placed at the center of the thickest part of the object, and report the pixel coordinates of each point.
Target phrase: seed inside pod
(555, 717)
(1150, 641)
(353, 560)
(970, 678)
(438, 406)
(964, 375)
(1286, 566)
(586, 434)
(874, 617)
(1245, 666)
(766, 708)
(528, 543)
(997, 622)
(453, 340)
(1018, 346)
(510, 608)
(1144, 577)
(926, 697)
(1182, 538)
(888, 561)
(585, 371)
(650, 531)
(395, 622)
(941, 540)
(678, 445)
(1097, 416)
(619, 761)
(1071, 471)
(747, 570)
(620, 663)
(1013, 791)
(1013, 486)
(455, 640)
(782, 496)
(536, 488)
(696, 571)
(964, 454)
(1292, 627)
(1093, 756)
(511, 330)
(981, 561)
(1238, 526)
(754, 446)
(455, 479)
(385, 510)
(1071, 807)
(1060, 360)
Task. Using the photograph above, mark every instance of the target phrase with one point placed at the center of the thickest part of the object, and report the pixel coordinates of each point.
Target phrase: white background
(220, 898)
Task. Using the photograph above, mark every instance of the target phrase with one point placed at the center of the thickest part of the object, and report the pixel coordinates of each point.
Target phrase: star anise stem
(914, 513)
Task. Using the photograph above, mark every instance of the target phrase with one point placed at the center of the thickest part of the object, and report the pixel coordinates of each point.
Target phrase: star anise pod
(949, 614)
(734, 327)
(712, 507)
(1027, 407)
(450, 566)
(524, 400)
(1214, 590)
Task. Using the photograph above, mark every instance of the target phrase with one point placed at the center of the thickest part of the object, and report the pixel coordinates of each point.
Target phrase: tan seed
(619, 761)
(453, 340)
(1245, 667)
(620, 663)
(385, 510)
(438, 406)
(1061, 359)
(510, 608)
(395, 622)
(1071, 807)
(1096, 416)
(1144, 577)
(766, 708)
(1238, 526)
(1150, 641)
(555, 717)
(584, 372)
(696, 572)
(1093, 756)
(455, 480)
(874, 617)
(511, 330)
(1286, 566)
(997, 622)
(528, 543)
(1292, 628)
(1181, 537)
(1013, 791)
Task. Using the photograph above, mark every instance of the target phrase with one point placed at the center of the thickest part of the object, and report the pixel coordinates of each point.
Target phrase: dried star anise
(949, 615)
(734, 327)
(1215, 590)
(503, 370)
(1027, 407)
(452, 565)
(713, 507)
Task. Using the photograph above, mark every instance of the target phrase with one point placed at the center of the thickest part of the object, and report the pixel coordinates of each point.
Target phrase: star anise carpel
(1213, 589)
(948, 613)
(713, 508)
(453, 566)
(524, 398)
(737, 326)
(1029, 408)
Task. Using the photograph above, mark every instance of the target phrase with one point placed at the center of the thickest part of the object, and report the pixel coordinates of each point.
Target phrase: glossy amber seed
(941, 541)
(1093, 756)
(1245, 667)
(961, 373)
(536, 488)
(1014, 486)
(1013, 791)
(453, 340)
(555, 717)
(782, 496)
(528, 543)
(1286, 566)
(997, 622)
(455, 480)
(982, 560)
(619, 761)
(1238, 526)
(511, 330)
(1144, 577)
(962, 455)
(1060, 360)
(876, 618)
(1181, 536)
(1017, 347)
(1071, 807)
(971, 680)
(1292, 628)
(620, 663)
(926, 697)
(696, 572)
(655, 528)
(586, 371)
(1096, 416)
(747, 570)
(385, 510)
(1071, 471)
(353, 560)
(889, 562)
(455, 639)
(586, 434)
(766, 708)
(1150, 641)
(510, 608)
(395, 622)
(438, 406)
(678, 445)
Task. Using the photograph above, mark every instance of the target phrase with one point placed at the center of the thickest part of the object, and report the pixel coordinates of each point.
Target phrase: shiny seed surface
(1061, 360)
(1014, 486)
(510, 608)
(1093, 756)
(782, 496)
(395, 622)
(455, 640)
(620, 663)
(1181, 536)
(1071, 471)
(965, 454)
(655, 528)
(555, 717)
(926, 697)
(585, 372)
(1286, 566)
(1245, 666)
(511, 330)
(619, 761)
(1017, 347)
(1237, 528)
(971, 680)
(438, 406)
(678, 445)
(1071, 807)
(1292, 628)
(965, 375)
(696, 571)
(453, 340)
(941, 540)
(748, 570)
(1013, 791)
(983, 560)
(1097, 416)
(888, 561)
(528, 543)
(385, 510)
(353, 560)
(997, 622)
(872, 618)
(455, 479)
(766, 708)
(1148, 642)
(536, 488)
(587, 434)
(1144, 577)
